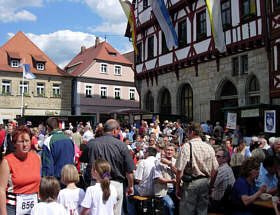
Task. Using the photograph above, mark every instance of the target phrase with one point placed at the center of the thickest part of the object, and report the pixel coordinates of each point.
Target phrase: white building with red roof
(103, 81)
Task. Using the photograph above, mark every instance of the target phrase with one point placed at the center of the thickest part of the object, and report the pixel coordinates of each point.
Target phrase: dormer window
(40, 66)
(14, 63)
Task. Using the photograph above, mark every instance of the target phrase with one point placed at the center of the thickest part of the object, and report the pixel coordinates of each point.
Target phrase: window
(132, 94)
(117, 93)
(187, 101)
(23, 88)
(6, 87)
(104, 68)
(103, 92)
(225, 10)
(254, 91)
(165, 102)
(163, 44)
(40, 66)
(139, 56)
(149, 102)
(244, 64)
(201, 25)
(278, 57)
(276, 4)
(118, 70)
(150, 47)
(182, 33)
(56, 90)
(89, 90)
(145, 4)
(41, 89)
(248, 9)
(14, 63)
(235, 66)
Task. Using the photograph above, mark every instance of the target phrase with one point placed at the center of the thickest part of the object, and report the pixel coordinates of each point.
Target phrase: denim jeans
(11, 209)
(131, 203)
(168, 202)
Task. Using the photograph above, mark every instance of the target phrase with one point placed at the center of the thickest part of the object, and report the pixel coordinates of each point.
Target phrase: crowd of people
(193, 168)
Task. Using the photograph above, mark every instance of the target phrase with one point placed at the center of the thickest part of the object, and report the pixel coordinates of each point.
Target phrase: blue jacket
(58, 150)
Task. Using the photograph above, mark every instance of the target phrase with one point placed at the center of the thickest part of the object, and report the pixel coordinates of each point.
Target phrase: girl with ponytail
(101, 197)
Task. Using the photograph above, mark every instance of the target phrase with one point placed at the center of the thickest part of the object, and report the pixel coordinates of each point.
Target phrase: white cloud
(112, 28)
(107, 9)
(61, 46)
(12, 10)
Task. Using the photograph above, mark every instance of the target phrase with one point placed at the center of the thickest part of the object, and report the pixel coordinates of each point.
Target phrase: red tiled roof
(15, 55)
(20, 46)
(103, 52)
(39, 58)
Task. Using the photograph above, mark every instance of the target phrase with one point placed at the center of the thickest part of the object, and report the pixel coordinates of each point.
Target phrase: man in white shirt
(144, 176)
(88, 134)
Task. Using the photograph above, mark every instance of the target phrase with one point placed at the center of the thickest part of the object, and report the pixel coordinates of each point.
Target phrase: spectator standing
(203, 165)
(179, 133)
(117, 154)
(76, 137)
(58, 150)
(275, 149)
(8, 145)
(218, 130)
(88, 135)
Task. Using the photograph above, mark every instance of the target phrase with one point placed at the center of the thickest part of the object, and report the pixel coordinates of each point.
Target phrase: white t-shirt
(71, 200)
(93, 200)
(47, 208)
(88, 135)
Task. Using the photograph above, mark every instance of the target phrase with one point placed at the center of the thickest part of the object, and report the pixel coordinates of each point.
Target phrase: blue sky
(60, 27)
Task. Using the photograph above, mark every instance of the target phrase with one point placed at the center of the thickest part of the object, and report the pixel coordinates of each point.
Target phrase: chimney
(97, 41)
(83, 49)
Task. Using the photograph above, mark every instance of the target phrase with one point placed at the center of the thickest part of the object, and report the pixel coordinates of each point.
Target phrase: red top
(25, 176)
(2, 136)
(34, 141)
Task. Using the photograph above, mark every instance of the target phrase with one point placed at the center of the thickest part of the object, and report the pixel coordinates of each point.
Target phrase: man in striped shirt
(224, 177)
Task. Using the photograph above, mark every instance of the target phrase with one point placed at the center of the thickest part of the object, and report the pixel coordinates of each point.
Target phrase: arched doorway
(149, 102)
(165, 102)
(186, 101)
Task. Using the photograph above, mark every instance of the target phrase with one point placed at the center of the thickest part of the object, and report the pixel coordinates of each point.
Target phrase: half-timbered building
(194, 79)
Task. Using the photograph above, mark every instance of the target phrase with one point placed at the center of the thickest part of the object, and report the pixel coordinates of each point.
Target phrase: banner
(165, 23)
(214, 10)
(231, 120)
(270, 121)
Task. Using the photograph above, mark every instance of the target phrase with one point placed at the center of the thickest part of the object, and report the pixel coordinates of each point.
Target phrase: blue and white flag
(165, 23)
(26, 72)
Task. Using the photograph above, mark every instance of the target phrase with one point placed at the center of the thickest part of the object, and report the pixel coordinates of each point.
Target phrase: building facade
(194, 79)
(48, 94)
(103, 83)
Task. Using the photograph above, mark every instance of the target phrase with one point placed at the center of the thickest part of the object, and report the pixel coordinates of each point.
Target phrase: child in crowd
(72, 196)
(49, 189)
(100, 198)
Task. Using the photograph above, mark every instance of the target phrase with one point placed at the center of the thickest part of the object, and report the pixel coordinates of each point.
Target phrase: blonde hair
(49, 189)
(103, 168)
(69, 174)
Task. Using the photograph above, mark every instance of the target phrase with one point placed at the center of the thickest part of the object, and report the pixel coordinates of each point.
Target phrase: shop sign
(147, 116)
(137, 117)
(250, 113)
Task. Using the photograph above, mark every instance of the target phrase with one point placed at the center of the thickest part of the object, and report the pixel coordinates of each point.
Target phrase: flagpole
(22, 90)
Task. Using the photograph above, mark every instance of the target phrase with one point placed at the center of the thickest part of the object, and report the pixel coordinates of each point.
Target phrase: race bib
(25, 202)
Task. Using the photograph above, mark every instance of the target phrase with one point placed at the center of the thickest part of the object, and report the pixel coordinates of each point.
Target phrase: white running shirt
(93, 200)
(71, 199)
(47, 208)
